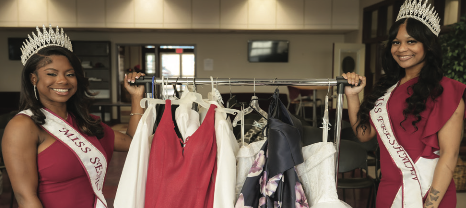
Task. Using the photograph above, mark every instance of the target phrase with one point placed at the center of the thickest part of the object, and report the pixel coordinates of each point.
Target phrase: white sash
(417, 176)
(92, 160)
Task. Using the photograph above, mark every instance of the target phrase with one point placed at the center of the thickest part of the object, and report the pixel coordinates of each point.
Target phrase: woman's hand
(134, 90)
(122, 141)
(353, 79)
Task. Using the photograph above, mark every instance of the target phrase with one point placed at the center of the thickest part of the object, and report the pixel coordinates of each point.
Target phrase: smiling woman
(57, 81)
(407, 51)
(416, 113)
(55, 152)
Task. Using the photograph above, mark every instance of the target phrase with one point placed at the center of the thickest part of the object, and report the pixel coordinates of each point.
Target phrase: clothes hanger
(152, 89)
(253, 106)
(191, 97)
(214, 94)
(326, 122)
(231, 102)
(176, 94)
(195, 105)
(242, 125)
(218, 101)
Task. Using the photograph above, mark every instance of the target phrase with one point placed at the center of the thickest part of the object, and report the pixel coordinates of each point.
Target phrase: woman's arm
(352, 99)
(449, 137)
(19, 146)
(123, 141)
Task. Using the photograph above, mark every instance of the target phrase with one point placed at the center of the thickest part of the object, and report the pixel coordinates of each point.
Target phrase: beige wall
(310, 54)
(183, 14)
(356, 36)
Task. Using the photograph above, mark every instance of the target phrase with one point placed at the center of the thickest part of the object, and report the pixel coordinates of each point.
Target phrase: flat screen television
(268, 50)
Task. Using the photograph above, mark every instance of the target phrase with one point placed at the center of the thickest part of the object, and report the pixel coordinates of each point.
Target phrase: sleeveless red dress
(63, 182)
(422, 142)
(182, 176)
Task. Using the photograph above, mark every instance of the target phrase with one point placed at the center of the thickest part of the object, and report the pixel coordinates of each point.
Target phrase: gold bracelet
(132, 114)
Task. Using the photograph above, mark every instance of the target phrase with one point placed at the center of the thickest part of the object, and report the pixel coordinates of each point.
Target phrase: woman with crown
(416, 113)
(55, 152)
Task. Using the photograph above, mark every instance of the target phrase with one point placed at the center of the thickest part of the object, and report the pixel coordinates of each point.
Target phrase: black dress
(272, 180)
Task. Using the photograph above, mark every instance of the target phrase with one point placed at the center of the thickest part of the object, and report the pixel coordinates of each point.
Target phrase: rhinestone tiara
(42, 40)
(421, 12)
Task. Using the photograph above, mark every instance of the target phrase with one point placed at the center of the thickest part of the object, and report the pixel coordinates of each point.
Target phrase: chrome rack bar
(340, 82)
(241, 82)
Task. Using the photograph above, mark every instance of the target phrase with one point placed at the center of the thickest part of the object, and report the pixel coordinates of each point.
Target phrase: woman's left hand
(134, 90)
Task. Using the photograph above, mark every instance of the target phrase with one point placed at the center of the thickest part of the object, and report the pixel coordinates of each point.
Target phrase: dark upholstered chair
(353, 156)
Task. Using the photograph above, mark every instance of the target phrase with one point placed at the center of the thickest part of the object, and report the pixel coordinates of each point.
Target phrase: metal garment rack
(340, 82)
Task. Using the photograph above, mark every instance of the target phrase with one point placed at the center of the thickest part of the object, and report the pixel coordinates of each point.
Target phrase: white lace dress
(317, 174)
(244, 160)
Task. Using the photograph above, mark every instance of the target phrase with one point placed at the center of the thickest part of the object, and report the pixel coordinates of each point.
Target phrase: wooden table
(314, 98)
(103, 105)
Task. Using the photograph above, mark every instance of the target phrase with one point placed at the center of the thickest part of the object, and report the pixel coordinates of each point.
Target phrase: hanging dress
(317, 172)
(182, 176)
(227, 148)
(132, 186)
(272, 180)
(244, 160)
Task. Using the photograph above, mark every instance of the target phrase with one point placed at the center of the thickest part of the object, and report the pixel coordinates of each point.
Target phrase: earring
(35, 94)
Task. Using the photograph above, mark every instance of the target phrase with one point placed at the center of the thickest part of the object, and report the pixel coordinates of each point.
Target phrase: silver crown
(421, 12)
(42, 40)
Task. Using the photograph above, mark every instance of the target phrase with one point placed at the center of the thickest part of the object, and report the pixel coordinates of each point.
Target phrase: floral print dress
(272, 181)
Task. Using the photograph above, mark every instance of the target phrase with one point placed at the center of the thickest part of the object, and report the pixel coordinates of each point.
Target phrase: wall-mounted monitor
(268, 50)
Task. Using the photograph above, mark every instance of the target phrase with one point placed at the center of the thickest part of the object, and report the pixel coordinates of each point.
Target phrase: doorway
(167, 60)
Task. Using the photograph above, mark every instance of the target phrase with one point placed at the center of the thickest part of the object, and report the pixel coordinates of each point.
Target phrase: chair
(301, 98)
(353, 156)
(311, 135)
(371, 147)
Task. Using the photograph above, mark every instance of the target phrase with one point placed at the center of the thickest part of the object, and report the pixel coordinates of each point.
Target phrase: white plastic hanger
(254, 105)
(189, 98)
(242, 125)
(217, 99)
(326, 122)
(214, 95)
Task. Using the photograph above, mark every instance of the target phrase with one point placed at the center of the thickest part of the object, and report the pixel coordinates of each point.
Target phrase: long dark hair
(428, 85)
(78, 104)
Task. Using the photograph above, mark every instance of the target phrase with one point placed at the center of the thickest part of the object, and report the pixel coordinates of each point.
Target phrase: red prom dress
(63, 182)
(182, 176)
(422, 142)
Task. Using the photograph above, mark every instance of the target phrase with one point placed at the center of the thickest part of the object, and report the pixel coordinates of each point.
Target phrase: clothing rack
(340, 82)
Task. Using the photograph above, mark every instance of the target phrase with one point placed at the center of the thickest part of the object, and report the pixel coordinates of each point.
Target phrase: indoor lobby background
(218, 29)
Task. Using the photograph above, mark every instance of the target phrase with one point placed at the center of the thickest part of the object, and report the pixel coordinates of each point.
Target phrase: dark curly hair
(78, 104)
(428, 85)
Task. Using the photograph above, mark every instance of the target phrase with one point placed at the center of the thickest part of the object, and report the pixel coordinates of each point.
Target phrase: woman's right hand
(353, 79)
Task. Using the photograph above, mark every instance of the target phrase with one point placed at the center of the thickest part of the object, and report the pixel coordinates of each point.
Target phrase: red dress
(423, 142)
(179, 176)
(62, 179)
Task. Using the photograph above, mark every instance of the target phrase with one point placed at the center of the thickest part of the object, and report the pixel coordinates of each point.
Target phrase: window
(150, 63)
(177, 65)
